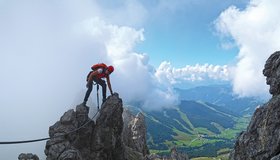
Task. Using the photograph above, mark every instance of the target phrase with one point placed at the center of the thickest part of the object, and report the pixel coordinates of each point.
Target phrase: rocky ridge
(116, 134)
(100, 140)
(261, 140)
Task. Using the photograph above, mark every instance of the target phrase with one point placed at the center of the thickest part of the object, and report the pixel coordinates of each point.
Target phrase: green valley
(198, 127)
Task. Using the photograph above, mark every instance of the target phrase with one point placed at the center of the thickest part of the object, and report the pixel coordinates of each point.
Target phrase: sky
(48, 47)
(187, 32)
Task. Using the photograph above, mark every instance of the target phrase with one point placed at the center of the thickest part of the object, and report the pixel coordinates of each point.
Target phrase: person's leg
(87, 93)
(104, 87)
(102, 83)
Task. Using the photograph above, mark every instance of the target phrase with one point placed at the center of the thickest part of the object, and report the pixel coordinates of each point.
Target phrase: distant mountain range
(221, 95)
(206, 121)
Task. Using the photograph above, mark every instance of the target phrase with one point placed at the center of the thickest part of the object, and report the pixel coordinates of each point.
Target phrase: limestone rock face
(272, 73)
(107, 135)
(111, 137)
(93, 141)
(261, 140)
(134, 135)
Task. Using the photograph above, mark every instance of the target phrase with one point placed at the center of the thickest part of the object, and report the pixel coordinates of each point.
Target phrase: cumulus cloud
(256, 31)
(166, 73)
(133, 78)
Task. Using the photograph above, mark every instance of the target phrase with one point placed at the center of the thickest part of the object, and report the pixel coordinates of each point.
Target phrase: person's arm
(109, 84)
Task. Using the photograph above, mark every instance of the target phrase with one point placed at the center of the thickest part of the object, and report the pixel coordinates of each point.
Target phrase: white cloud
(133, 78)
(256, 32)
(166, 73)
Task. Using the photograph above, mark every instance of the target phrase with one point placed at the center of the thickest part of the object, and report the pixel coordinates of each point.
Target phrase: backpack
(98, 65)
(95, 67)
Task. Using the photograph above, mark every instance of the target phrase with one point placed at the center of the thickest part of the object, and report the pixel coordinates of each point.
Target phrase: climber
(99, 71)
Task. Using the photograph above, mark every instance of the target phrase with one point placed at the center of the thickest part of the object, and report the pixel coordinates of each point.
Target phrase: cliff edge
(261, 140)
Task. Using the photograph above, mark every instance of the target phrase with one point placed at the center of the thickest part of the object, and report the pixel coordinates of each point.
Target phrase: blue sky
(186, 35)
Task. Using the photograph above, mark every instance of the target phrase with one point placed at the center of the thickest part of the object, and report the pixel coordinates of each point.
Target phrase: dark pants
(99, 81)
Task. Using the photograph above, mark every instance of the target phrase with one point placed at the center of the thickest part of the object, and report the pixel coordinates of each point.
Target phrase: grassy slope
(180, 132)
(199, 137)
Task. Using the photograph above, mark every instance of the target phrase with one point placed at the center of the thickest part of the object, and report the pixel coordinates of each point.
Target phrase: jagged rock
(102, 140)
(128, 117)
(106, 138)
(116, 135)
(139, 130)
(68, 117)
(272, 72)
(134, 135)
(261, 140)
(134, 138)
(70, 155)
(132, 154)
(28, 156)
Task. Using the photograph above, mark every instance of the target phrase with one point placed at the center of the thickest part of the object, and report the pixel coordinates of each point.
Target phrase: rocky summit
(261, 140)
(105, 139)
(116, 134)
